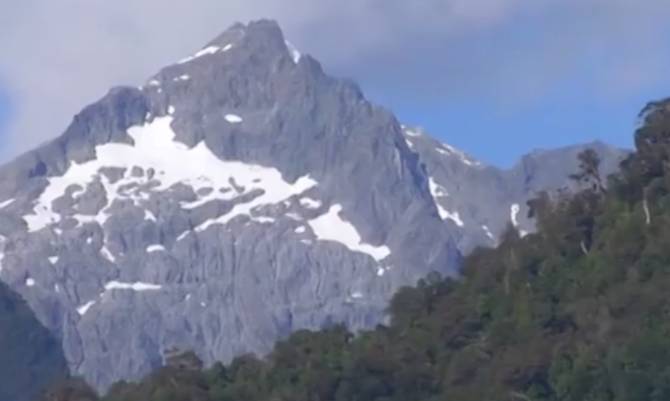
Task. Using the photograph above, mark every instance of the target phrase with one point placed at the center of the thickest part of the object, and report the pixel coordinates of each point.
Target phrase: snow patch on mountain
(455, 217)
(450, 150)
(514, 214)
(438, 191)
(85, 307)
(332, 227)
(107, 254)
(514, 218)
(295, 54)
(204, 52)
(310, 203)
(155, 248)
(233, 118)
(6, 203)
(117, 285)
(275, 190)
(412, 133)
(441, 148)
(488, 232)
(136, 286)
(155, 149)
(264, 220)
(148, 215)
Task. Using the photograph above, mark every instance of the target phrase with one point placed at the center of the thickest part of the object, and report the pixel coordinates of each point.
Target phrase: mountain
(239, 195)
(31, 357)
(482, 200)
(576, 311)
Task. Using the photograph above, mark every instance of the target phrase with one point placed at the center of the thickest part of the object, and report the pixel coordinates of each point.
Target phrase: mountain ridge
(575, 311)
(464, 189)
(185, 256)
(125, 246)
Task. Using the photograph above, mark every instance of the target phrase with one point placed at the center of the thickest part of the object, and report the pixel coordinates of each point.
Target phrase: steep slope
(31, 358)
(539, 318)
(239, 195)
(479, 201)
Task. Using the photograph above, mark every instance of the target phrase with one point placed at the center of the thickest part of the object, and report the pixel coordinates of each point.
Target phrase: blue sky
(535, 80)
(499, 134)
(4, 114)
(496, 78)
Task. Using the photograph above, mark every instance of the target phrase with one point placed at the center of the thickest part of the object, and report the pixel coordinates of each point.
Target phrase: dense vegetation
(31, 358)
(577, 312)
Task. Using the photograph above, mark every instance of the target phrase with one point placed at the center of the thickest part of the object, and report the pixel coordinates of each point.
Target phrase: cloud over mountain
(60, 55)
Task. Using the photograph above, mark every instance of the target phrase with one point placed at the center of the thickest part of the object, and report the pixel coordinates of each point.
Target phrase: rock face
(31, 358)
(481, 201)
(240, 194)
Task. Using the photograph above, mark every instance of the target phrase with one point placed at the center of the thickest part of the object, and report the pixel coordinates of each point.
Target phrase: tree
(74, 389)
(589, 170)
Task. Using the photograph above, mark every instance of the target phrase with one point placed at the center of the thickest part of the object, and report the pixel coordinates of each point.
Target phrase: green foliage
(577, 312)
(70, 390)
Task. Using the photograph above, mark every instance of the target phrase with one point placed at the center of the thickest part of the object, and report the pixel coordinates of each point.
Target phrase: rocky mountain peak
(262, 37)
(238, 195)
(164, 212)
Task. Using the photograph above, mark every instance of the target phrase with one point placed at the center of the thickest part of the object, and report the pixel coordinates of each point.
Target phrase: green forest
(578, 311)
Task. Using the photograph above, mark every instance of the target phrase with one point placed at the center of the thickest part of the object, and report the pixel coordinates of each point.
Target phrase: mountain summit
(238, 195)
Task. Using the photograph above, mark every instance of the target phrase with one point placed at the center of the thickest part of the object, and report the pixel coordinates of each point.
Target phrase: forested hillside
(31, 358)
(577, 312)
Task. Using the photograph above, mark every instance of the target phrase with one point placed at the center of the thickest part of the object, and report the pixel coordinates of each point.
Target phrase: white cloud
(59, 55)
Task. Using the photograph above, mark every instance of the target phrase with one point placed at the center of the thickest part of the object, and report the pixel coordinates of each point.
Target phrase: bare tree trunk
(506, 281)
(645, 206)
(583, 246)
(520, 396)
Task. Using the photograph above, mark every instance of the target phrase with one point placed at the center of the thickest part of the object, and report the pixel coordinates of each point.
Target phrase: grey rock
(155, 265)
(113, 174)
(483, 197)
(137, 171)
